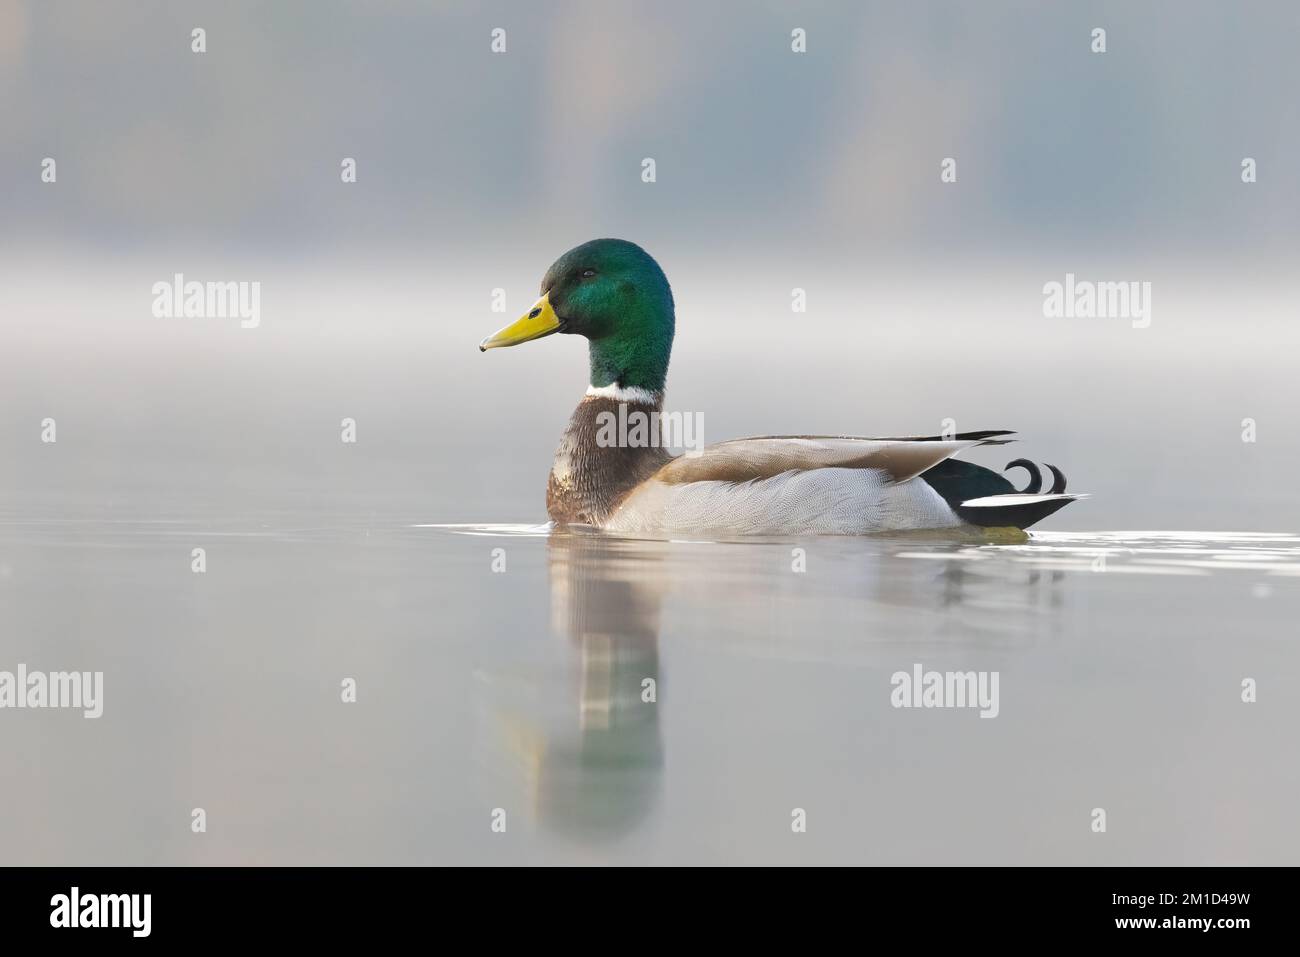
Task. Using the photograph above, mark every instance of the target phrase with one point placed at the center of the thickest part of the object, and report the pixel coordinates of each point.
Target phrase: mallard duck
(613, 293)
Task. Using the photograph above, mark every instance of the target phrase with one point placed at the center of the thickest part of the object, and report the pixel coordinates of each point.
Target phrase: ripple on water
(1126, 552)
(1142, 552)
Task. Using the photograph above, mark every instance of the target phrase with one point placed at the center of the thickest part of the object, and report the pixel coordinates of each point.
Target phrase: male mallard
(612, 292)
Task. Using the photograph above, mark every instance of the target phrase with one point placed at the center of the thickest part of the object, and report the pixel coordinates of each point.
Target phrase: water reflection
(595, 771)
(1110, 646)
(959, 584)
(592, 747)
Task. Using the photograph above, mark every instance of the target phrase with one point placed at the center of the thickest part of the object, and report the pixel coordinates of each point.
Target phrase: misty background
(775, 170)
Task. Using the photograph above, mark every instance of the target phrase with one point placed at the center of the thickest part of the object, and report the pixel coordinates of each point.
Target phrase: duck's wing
(766, 456)
(832, 484)
(795, 484)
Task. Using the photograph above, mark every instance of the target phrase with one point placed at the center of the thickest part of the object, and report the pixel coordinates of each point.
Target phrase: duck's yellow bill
(539, 321)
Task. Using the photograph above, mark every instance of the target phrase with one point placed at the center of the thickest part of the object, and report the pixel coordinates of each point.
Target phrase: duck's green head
(615, 294)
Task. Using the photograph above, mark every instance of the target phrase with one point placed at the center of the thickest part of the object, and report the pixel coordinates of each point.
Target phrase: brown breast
(602, 457)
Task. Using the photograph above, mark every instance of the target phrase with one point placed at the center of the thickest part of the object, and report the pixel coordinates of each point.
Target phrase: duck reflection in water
(596, 770)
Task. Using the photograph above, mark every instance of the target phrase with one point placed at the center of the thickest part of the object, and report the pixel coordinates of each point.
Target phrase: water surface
(1120, 657)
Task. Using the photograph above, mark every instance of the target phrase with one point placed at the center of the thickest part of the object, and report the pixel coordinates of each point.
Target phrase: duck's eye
(588, 273)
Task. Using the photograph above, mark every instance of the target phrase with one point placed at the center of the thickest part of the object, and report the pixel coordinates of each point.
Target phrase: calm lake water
(1120, 657)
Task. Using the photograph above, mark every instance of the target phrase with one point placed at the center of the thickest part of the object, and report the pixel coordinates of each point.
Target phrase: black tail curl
(960, 482)
(1036, 477)
(1058, 479)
